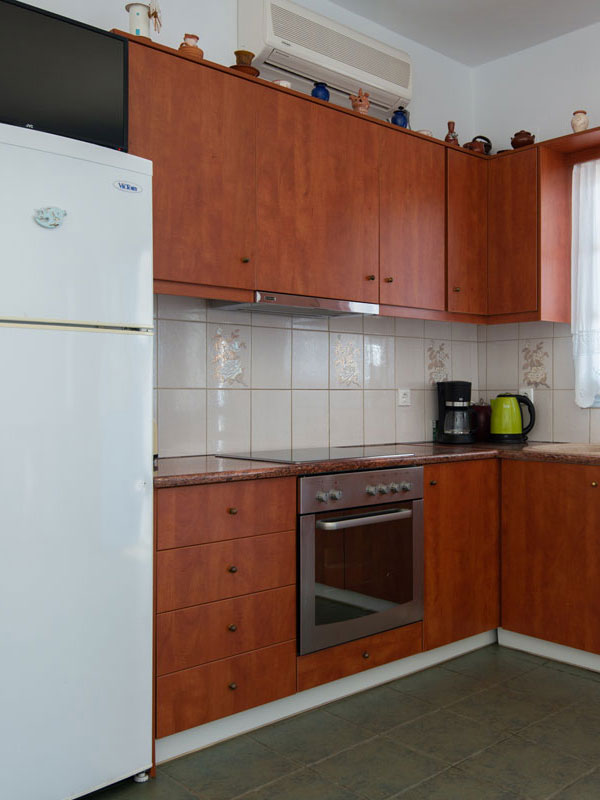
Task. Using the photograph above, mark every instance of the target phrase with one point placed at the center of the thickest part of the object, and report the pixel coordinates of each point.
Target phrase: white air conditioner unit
(289, 38)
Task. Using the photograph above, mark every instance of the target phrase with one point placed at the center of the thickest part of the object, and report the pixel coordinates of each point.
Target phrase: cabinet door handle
(232, 511)
(433, 483)
(370, 277)
(366, 654)
(245, 260)
(233, 686)
(232, 628)
(456, 288)
(388, 280)
(233, 569)
(594, 484)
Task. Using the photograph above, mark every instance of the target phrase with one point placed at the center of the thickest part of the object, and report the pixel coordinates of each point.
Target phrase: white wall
(442, 87)
(539, 88)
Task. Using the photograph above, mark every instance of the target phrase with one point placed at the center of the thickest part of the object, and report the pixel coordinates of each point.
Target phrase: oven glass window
(363, 569)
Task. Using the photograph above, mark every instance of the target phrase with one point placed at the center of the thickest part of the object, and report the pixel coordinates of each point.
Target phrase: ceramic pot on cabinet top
(579, 121)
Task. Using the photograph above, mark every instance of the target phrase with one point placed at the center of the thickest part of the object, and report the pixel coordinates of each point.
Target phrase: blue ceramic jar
(400, 117)
(321, 92)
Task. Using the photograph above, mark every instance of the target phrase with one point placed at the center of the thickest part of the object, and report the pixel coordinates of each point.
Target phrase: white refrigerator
(76, 574)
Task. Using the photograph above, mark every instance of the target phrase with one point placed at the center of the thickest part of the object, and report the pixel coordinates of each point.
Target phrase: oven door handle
(365, 519)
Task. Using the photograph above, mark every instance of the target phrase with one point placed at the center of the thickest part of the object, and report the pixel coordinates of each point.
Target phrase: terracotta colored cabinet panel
(352, 657)
(189, 576)
(195, 696)
(551, 552)
(467, 188)
(461, 551)
(513, 233)
(188, 515)
(198, 127)
(413, 221)
(317, 200)
(192, 636)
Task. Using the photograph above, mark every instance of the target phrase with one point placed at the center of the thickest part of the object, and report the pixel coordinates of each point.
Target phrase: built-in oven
(360, 554)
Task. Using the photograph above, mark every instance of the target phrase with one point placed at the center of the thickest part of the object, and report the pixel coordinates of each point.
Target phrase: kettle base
(508, 438)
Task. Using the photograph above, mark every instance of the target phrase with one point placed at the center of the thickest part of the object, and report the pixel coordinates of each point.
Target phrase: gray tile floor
(495, 724)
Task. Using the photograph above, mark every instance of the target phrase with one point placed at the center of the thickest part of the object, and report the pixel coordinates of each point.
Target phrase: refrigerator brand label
(124, 186)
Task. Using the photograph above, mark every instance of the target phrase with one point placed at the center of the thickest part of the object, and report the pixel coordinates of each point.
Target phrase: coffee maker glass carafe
(454, 425)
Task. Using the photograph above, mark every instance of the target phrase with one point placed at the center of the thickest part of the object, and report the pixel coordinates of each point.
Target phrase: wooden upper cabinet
(551, 552)
(413, 221)
(462, 523)
(467, 201)
(513, 233)
(317, 200)
(198, 127)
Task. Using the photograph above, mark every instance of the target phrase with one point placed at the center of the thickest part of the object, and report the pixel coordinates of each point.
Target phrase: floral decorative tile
(347, 360)
(536, 364)
(437, 361)
(227, 357)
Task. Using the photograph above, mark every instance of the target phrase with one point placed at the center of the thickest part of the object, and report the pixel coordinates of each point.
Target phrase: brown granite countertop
(192, 470)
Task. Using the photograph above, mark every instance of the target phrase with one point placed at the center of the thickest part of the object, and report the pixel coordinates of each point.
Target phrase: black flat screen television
(61, 76)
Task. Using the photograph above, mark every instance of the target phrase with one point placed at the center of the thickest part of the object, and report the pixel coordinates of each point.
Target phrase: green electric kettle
(507, 418)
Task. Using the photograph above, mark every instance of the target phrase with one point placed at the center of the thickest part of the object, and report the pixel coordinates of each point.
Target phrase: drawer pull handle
(433, 483)
(232, 628)
(245, 260)
(233, 686)
(233, 569)
(594, 484)
(233, 511)
(456, 288)
(366, 654)
(370, 277)
(388, 280)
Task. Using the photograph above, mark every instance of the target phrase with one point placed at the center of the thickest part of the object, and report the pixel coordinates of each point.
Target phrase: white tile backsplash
(230, 381)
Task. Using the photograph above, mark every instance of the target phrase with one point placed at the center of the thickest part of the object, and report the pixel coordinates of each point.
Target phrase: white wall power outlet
(527, 391)
(404, 398)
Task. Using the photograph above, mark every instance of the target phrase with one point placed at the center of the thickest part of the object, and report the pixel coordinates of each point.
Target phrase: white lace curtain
(585, 282)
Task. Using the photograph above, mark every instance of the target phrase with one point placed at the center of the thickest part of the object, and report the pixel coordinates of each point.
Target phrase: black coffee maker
(454, 424)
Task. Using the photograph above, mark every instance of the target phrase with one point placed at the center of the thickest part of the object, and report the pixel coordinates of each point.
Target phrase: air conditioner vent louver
(305, 32)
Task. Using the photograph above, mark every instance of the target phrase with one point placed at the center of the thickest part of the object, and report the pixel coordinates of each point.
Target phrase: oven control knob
(383, 489)
(394, 488)
(335, 494)
(406, 487)
(322, 497)
(371, 490)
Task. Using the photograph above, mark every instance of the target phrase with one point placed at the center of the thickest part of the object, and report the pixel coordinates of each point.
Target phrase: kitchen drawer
(195, 696)
(193, 636)
(188, 576)
(188, 515)
(347, 659)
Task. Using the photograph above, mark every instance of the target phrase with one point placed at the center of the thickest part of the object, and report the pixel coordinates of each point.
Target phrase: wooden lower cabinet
(194, 696)
(359, 655)
(188, 576)
(551, 552)
(192, 636)
(461, 551)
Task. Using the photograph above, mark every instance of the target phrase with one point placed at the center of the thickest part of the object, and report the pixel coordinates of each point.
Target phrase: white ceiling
(476, 31)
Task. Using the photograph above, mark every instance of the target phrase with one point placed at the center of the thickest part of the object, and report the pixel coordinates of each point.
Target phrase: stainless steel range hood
(275, 303)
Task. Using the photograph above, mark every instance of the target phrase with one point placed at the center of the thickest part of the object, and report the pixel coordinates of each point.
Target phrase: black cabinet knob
(232, 628)
(232, 511)
(433, 483)
(233, 686)
(245, 260)
(232, 569)
(366, 654)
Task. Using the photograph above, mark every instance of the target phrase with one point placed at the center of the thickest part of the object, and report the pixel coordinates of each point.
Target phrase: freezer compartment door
(93, 265)
(75, 560)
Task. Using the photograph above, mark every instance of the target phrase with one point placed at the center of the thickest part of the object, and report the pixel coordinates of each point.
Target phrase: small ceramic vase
(360, 102)
(451, 136)
(139, 19)
(580, 121)
(243, 57)
(189, 46)
(320, 91)
(522, 139)
(400, 117)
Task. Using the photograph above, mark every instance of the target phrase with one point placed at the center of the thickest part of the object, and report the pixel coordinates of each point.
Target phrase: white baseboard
(218, 731)
(544, 649)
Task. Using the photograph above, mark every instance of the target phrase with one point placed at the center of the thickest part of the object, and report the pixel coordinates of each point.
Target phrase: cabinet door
(413, 221)
(461, 551)
(317, 200)
(513, 233)
(551, 552)
(467, 188)
(197, 126)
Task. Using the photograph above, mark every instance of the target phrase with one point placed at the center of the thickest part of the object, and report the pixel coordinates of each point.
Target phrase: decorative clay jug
(579, 121)
(400, 117)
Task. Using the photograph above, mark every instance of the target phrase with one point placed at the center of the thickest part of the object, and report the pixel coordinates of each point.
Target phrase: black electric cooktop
(305, 456)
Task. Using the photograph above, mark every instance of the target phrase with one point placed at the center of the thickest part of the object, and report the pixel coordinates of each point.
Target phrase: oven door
(361, 572)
